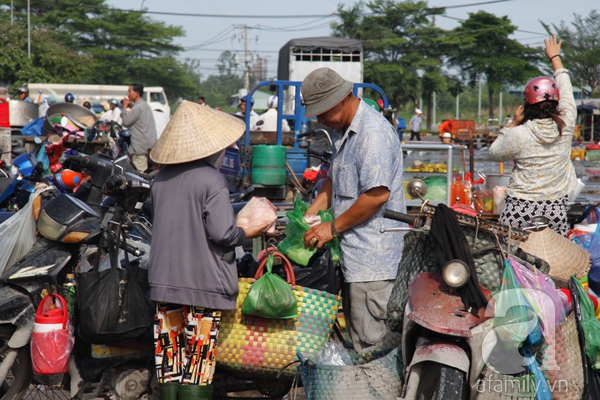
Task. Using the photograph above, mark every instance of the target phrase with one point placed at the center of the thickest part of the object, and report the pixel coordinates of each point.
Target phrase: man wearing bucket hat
(192, 272)
(365, 179)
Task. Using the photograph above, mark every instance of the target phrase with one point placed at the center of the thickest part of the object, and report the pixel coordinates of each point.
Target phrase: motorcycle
(67, 224)
(441, 350)
(314, 179)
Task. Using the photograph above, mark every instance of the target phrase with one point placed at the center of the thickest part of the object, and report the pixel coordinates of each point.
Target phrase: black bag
(320, 272)
(112, 304)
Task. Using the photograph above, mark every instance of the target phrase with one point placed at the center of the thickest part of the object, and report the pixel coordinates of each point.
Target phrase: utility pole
(12, 17)
(28, 30)
(246, 60)
(434, 107)
(457, 104)
(479, 106)
(500, 109)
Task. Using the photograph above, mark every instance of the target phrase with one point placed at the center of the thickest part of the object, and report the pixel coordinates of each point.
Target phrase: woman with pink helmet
(538, 140)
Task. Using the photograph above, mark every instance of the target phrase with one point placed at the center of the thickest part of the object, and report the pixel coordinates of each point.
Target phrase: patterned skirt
(517, 212)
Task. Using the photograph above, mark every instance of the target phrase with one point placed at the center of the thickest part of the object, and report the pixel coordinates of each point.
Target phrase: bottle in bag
(71, 285)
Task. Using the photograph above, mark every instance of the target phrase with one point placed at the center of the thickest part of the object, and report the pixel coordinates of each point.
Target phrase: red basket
(4, 114)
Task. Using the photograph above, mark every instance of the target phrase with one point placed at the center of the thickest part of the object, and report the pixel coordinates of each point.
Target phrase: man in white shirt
(244, 108)
(116, 111)
(269, 118)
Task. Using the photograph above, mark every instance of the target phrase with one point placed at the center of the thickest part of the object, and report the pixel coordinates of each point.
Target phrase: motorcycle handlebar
(398, 216)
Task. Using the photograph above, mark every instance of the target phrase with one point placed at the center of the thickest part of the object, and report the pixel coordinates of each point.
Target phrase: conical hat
(195, 132)
(565, 257)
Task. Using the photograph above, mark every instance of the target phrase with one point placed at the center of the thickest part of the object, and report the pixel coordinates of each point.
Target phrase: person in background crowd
(87, 105)
(267, 122)
(116, 111)
(106, 112)
(192, 272)
(538, 140)
(141, 125)
(69, 98)
(415, 125)
(365, 179)
(244, 108)
(201, 101)
(23, 93)
(445, 126)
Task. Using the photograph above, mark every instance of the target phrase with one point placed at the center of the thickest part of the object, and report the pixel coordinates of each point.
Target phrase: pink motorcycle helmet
(541, 89)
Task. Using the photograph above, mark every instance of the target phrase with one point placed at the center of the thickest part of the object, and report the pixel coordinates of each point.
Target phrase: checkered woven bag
(265, 347)
(376, 376)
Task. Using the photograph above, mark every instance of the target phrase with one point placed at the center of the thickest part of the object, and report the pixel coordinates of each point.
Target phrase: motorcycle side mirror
(37, 140)
(417, 188)
(260, 123)
(38, 170)
(64, 121)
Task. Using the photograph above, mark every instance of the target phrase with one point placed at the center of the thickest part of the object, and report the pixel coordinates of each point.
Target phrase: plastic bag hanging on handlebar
(591, 327)
(541, 293)
(517, 330)
(271, 297)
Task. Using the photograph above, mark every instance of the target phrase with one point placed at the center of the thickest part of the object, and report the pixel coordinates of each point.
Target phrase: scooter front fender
(441, 352)
(17, 309)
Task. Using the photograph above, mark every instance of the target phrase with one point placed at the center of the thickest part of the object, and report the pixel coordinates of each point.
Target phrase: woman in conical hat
(192, 273)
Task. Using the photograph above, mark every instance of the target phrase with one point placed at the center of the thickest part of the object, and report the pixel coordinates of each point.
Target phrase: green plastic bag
(293, 244)
(271, 296)
(590, 325)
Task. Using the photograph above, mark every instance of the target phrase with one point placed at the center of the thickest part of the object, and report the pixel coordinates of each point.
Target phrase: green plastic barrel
(268, 165)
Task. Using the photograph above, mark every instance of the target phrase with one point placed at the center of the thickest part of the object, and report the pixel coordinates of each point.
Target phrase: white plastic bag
(258, 211)
(332, 354)
(498, 194)
(17, 234)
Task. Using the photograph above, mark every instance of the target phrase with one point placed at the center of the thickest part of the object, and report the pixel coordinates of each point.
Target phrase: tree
(402, 47)
(124, 46)
(50, 61)
(581, 48)
(482, 48)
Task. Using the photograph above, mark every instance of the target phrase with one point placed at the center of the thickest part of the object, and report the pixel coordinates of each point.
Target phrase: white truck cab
(153, 95)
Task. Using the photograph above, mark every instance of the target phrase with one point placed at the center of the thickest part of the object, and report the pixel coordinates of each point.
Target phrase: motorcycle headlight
(14, 171)
(49, 228)
(456, 273)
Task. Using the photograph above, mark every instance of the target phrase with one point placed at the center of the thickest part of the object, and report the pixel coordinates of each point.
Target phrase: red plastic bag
(52, 338)
(50, 351)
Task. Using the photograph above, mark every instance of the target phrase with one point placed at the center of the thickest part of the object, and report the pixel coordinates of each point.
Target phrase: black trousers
(415, 134)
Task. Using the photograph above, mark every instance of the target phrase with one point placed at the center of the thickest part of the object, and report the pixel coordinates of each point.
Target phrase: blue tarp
(34, 128)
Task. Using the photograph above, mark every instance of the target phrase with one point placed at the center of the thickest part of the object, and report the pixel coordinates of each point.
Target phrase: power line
(286, 16)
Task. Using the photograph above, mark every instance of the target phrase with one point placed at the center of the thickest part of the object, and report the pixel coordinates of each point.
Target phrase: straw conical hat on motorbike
(195, 132)
(565, 257)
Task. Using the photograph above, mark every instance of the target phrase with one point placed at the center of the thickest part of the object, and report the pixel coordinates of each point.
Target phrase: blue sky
(206, 37)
